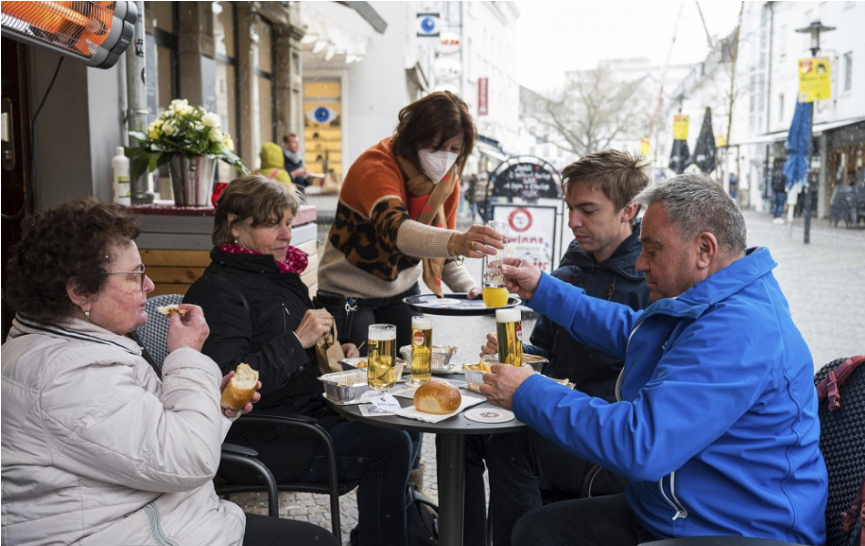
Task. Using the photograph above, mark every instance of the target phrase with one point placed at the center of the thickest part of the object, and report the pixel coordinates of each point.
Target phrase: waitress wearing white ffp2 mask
(396, 222)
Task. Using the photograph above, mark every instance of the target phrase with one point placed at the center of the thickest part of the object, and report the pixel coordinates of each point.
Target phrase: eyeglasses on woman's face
(139, 272)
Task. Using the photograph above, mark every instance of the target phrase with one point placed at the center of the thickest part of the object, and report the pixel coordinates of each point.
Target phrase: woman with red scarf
(259, 312)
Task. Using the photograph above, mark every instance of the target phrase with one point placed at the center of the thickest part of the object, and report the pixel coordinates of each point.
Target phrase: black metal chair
(842, 441)
(153, 337)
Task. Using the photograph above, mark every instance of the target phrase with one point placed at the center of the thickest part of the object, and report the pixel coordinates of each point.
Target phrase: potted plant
(190, 141)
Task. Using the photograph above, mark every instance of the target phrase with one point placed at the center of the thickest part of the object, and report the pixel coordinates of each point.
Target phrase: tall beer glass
(421, 350)
(381, 357)
(495, 293)
(509, 330)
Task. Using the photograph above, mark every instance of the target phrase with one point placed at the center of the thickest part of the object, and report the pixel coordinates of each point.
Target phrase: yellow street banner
(645, 147)
(815, 82)
(680, 127)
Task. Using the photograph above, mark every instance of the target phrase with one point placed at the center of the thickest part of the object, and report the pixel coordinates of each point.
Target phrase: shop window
(224, 37)
(263, 122)
(322, 125)
(161, 56)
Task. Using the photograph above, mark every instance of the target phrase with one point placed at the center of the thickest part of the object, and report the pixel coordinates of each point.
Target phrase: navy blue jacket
(592, 371)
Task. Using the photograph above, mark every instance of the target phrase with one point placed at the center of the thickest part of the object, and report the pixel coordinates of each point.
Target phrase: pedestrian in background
(293, 161)
(779, 191)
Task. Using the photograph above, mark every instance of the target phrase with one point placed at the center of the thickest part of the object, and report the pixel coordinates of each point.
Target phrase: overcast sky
(556, 36)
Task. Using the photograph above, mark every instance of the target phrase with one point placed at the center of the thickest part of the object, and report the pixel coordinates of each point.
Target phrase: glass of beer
(495, 293)
(509, 330)
(381, 357)
(421, 350)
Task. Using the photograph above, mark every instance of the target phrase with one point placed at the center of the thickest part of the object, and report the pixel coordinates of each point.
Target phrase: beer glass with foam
(509, 330)
(421, 350)
(381, 357)
(495, 293)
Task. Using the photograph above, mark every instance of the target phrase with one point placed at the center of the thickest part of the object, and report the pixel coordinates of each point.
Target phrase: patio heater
(95, 33)
(814, 29)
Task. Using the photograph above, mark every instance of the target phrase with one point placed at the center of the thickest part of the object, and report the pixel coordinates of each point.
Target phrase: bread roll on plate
(437, 397)
(241, 388)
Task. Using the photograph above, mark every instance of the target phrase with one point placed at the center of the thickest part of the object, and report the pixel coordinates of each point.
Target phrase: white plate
(489, 415)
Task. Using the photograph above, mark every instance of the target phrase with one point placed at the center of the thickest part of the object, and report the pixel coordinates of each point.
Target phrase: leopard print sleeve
(370, 243)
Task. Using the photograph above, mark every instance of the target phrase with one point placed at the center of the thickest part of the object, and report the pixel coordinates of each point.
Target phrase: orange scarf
(432, 214)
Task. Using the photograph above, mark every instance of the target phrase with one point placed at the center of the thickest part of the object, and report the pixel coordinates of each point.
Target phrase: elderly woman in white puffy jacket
(97, 449)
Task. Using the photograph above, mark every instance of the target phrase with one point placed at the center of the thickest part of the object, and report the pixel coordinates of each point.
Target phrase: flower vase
(192, 179)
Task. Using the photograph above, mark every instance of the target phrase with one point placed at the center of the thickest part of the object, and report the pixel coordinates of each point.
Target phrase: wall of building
(377, 86)
(78, 129)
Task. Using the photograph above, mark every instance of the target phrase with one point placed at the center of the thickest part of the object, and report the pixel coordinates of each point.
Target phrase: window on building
(322, 125)
(161, 57)
(224, 34)
(782, 42)
(848, 71)
(781, 107)
(263, 122)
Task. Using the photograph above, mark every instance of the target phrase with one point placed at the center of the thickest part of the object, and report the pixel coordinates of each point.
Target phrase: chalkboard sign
(526, 177)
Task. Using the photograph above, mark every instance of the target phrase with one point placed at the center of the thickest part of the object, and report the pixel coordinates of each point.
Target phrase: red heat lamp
(95, 33)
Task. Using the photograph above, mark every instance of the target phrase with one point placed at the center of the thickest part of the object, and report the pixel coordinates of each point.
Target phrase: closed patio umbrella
(796, 167)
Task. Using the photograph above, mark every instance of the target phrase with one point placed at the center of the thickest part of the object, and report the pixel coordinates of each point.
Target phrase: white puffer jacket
(97, 450)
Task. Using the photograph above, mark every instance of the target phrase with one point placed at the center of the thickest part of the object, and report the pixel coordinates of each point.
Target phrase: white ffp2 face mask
(436, 164)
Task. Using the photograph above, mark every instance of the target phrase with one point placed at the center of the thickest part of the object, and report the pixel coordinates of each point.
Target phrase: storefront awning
(490, 148)
(781, 136)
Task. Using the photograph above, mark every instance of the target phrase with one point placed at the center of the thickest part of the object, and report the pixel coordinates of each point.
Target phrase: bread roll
(437, 397)
(240, 388)
(168, 309)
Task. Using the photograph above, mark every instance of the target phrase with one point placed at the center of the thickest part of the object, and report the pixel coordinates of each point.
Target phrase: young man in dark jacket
(598, 189)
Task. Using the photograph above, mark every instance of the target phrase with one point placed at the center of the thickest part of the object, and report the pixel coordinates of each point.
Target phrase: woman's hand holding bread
(314, 324)
(188, 329)
(240, 390)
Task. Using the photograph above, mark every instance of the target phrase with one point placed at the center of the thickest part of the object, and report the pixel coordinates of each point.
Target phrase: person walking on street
(779, 192)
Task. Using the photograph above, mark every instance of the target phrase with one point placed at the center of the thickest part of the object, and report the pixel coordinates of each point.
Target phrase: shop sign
(815, 82)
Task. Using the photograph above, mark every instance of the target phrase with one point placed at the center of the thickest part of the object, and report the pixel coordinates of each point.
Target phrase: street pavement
(824, 282)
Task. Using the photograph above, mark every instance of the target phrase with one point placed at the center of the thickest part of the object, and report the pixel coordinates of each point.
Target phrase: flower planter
(192, 180)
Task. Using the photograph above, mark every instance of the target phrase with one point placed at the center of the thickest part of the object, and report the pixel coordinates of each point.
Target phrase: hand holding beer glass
(509, 330)
(381, 357)
(421, 350)
(495, 293)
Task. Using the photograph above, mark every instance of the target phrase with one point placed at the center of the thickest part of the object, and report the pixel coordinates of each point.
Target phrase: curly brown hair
(255, 197)
(70, 241)
(431, 121)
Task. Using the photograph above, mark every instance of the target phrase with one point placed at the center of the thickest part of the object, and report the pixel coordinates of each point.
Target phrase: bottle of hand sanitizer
(120, 171)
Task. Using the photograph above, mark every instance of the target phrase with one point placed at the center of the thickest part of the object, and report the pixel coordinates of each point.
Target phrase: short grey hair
(695, 203)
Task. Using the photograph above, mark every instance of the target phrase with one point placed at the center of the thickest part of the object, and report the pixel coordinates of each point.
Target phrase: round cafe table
(450, 457)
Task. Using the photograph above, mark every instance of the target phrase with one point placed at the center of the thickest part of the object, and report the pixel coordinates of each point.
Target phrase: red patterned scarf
(296, 260)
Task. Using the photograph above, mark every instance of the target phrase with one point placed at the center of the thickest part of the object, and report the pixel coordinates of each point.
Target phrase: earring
(87, 314)
(236, 241)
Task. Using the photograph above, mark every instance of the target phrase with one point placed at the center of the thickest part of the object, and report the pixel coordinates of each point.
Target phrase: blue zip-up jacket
(616, 279)
(717, 426)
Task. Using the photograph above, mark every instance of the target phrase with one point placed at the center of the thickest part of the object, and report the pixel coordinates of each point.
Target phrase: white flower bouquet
(185, 130)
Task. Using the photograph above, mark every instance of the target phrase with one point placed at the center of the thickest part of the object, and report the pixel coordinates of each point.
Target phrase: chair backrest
(154, 334)
(842, 440)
